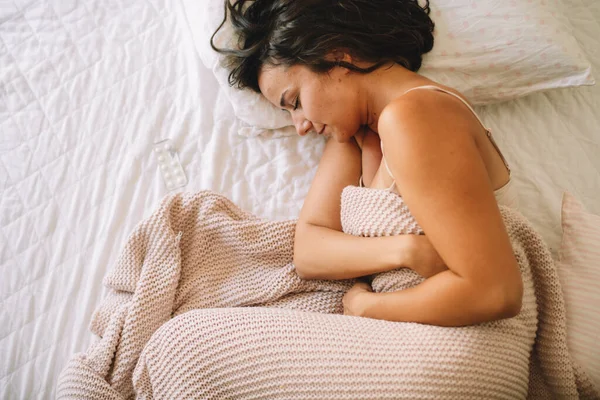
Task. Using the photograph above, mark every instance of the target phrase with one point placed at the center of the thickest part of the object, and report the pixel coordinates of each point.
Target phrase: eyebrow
(282, 100)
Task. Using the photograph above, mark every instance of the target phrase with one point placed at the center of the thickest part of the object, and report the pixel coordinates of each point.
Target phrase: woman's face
(326, 103)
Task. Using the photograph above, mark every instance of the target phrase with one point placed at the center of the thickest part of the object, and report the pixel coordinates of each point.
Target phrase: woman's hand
(420, 256)
(354, 300)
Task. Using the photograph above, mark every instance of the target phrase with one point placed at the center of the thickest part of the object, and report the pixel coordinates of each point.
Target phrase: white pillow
(494, 51)
(204, 16)
(579, 273)
(489, 50)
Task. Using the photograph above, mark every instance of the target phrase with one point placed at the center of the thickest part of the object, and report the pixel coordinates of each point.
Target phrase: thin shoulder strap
(433, 87)
(488, 132)
(386, 167)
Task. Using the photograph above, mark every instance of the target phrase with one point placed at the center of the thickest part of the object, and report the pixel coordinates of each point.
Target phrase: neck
(384, 85)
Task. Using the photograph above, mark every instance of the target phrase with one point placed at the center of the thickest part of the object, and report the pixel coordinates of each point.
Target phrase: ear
(341, 56)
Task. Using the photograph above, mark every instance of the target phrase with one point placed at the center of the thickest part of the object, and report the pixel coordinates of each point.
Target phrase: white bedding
(87, 87)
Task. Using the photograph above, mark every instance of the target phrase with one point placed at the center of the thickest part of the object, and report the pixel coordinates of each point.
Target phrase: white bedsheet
(86, 88)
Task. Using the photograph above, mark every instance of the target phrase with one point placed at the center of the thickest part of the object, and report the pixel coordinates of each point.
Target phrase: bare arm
(324, 253)
(321, 249)
(443, 180)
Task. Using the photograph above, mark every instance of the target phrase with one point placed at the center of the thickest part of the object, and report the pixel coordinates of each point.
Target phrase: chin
(342, 138)
(349, 135)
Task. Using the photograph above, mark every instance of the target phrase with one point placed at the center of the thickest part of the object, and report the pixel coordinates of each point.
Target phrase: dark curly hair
(304, 32)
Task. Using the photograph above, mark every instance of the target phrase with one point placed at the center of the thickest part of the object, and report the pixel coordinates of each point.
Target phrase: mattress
(87, 88)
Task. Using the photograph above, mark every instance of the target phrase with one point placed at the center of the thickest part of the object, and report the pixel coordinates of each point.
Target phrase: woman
(348, 70)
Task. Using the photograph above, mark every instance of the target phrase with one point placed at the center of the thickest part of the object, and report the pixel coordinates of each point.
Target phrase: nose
(303, 126)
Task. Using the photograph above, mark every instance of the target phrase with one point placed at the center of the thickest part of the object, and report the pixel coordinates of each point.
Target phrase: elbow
(301, 267)
(514, 302)
(509, 300)
(300, 259)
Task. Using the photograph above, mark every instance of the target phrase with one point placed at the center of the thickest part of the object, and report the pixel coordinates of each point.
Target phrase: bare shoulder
(429, 136)
(430, 147)
(429, 112)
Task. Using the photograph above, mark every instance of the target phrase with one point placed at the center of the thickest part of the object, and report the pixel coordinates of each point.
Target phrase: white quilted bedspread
(87, 87)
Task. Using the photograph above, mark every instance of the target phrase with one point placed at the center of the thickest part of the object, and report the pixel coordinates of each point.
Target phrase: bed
(87, 88)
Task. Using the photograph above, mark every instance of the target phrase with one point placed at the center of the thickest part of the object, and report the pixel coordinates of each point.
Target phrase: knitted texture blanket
(205, 302)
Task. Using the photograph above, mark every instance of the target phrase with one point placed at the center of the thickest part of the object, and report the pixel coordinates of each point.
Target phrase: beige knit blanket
(205, 303)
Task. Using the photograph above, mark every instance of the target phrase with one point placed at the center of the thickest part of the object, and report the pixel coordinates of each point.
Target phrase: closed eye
(296, 105)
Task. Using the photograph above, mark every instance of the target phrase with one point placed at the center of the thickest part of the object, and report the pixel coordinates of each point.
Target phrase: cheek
(334, 105)
(348, 111)
(317, 106)
(337, 106)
